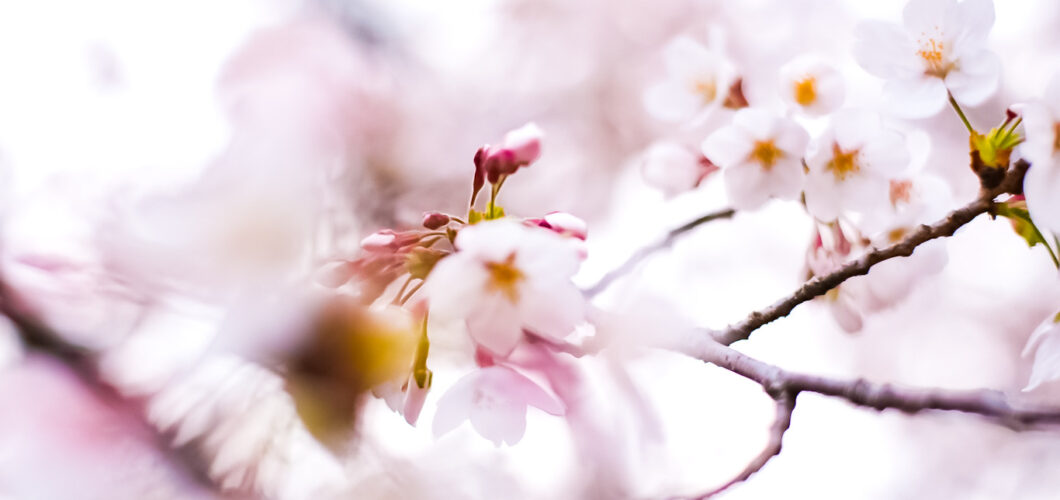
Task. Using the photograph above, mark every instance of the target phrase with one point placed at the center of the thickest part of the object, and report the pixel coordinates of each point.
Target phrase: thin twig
(990, 404)
(785, 407)
(645, 252)
(820, 285)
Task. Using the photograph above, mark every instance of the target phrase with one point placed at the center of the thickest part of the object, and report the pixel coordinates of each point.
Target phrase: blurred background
(168, 169)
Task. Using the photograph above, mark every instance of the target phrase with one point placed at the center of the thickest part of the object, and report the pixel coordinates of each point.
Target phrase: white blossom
(760, 155)
(698, 79)
(506, 277)
(1041, 122)
(941, 49)
(1045, 343)
(812, 86)
(851, 164)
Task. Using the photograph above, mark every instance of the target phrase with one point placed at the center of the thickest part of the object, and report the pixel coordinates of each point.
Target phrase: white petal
(785, 179)
(454, 286)
(728, 146)
(885, 50)
(686, 58)
(917, 97)
(758, 123)
(744, 185)
(1040, 187)
(670, 167)
(864, 193)
(510, 384)
(1046, 360)
(792, 139)
(887, 154)
(672, 101)
(495, 326)
(1052, 95)
(853, 129)
(846, 314)
(551, 309)
(822, 196)
(976, 17)
(502, 422)
(930, 16)
(976, 78)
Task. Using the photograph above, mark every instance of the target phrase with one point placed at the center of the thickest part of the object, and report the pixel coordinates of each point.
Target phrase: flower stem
(960, 113)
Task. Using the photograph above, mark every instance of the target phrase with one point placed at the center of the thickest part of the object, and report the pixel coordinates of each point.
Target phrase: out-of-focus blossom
(520, 148)
(940, 50)
(812, 86)
(566, 224)
(506, 277)
(434, 220)
(1041, 122)
(851, 165)
(698, 79)
(1045, 342)
(674, 168)
(761, 157)
(495, 400)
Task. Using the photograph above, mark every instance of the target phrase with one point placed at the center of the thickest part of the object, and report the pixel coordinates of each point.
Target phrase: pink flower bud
(415, 396)
(566, 224)
(521, 147)
(378, 241)
(434, 220)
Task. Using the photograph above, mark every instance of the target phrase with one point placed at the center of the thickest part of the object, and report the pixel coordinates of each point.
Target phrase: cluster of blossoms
(857, 176)
(506, 282)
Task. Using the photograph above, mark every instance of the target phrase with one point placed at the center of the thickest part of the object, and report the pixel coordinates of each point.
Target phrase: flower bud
(434, 220)
(378, 241)
(565, 224)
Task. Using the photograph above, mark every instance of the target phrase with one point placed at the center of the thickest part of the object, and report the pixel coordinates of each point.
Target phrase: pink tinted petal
(524, 143)
(846, 314)
(977, 80)
(455, 405)
(415, 396)
(566, 223)
(502, 421)
(518, 388)
(334, 274)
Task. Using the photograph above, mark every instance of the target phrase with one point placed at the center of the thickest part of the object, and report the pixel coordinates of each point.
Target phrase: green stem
(411, 293)
(960, 113)
(419, 365)
(401, 291)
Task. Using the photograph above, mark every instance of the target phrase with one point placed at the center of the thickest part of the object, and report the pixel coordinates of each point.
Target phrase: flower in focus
(506, 277)
(674, 168)
(1045, 342)
(495, 400)
(698, 79)
(940, 49)
(812, 86)
(851, 165)
(761, 157)
(1041, 122)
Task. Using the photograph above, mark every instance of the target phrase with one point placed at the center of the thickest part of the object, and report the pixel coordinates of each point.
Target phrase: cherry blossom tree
(369, 286)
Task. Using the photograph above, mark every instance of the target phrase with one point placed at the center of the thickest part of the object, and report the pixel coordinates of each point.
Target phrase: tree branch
(35, 335)
(990, 404)
(820, 285)
(785, 407)
(645, 252)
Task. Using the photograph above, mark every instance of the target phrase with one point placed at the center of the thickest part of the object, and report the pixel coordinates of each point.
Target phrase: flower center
(766, 154)
(901, 191)
(505, 277)
(708, 89)
(895, 235)
(933, 53)
(843, 163)
(806, 91)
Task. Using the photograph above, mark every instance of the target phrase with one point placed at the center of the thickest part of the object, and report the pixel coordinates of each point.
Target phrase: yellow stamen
(766, 154)
(933, 53)
(505, 277)
(806, 91)
(708, 89)
(843, 163)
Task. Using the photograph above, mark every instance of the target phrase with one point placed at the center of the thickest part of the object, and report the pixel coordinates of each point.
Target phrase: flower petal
(918, 97)
(975, 79)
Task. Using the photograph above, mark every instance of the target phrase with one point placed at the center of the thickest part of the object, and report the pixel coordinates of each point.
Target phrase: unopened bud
(434, 220)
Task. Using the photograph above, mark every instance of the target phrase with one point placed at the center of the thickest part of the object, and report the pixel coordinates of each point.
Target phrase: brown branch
(785, 407)
(645, 252)
(820, 285)
(990, 404)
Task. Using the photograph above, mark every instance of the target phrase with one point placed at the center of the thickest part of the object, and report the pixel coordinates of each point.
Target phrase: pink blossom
(495, 400)
(520, 148)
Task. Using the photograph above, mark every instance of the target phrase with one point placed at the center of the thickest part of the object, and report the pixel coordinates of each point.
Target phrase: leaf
(1024, 226)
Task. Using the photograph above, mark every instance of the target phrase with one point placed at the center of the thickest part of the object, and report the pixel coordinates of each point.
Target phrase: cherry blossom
(506, 277)
(812, 86)
(520, 148)
(851, 164)
(941, 49)
(674, 168)
(495, 400)
(1041, 122)
(698, 79)
(760, 155)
